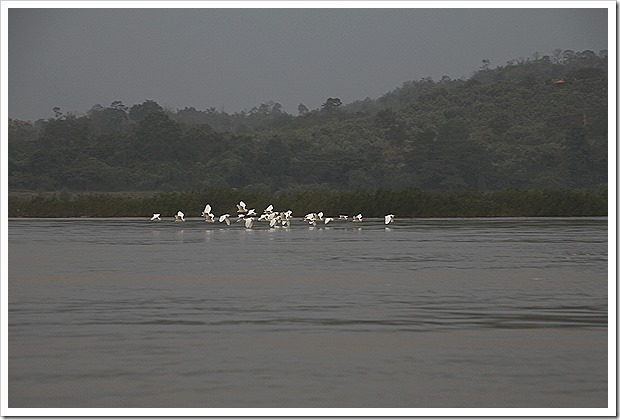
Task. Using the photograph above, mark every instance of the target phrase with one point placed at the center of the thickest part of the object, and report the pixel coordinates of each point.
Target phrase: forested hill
(532, 123)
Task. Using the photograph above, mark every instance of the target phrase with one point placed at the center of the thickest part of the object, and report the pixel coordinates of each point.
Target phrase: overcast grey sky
(240, 58)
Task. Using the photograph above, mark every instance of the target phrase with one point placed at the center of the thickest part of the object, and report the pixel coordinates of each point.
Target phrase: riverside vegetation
(528, 138)
(408, 202)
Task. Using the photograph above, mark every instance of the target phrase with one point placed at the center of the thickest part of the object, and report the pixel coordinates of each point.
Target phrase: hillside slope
(533, 123)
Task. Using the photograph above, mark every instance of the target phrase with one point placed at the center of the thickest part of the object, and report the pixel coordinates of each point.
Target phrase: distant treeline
(404, 203)
(531, 124)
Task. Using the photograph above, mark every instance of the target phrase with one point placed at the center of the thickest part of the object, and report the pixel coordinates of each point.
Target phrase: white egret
(269, 209)
(328, 219)
(343, 217)
(225, 218)
(179, 217)
(241, 207)
(156, 216)
(311, 218)
(206, 213)
(286, 218)
(389, 218)
(249, 222)
(357, 218)
(274, 221)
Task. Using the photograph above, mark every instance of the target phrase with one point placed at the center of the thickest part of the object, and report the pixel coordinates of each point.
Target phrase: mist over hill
(533, 123)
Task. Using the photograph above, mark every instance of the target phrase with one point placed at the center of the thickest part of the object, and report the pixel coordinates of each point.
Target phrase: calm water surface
(423, 313)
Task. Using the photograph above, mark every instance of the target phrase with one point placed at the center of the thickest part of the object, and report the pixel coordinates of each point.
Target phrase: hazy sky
(240, 58)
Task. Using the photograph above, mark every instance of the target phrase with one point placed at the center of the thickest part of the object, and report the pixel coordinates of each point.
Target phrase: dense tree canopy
(532, 123)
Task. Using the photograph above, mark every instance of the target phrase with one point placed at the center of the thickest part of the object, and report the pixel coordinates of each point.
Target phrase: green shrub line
(404, 203)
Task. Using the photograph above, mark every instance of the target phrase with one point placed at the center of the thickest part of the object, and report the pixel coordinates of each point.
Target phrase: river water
(423, 313)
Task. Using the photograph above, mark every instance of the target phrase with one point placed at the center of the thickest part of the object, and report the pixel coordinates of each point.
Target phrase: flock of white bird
(274, 218)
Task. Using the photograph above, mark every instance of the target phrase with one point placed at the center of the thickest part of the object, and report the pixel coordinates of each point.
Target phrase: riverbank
(409, 202)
